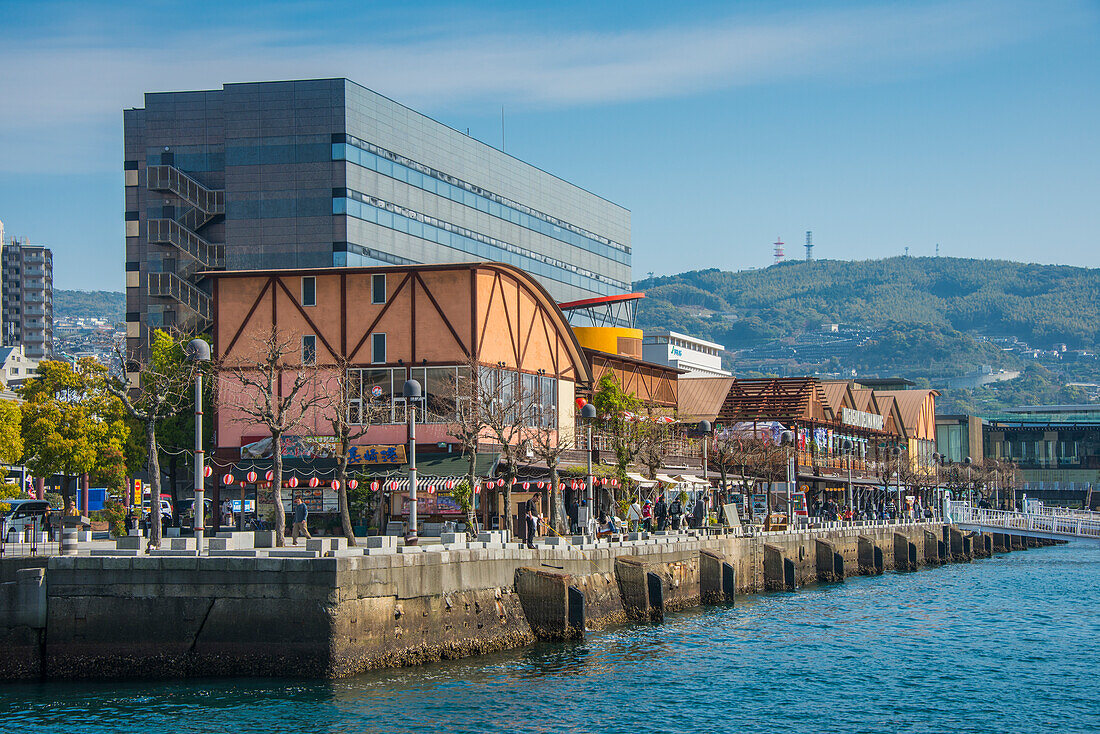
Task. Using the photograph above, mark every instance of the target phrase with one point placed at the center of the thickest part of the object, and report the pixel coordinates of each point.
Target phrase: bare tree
(468, 427)
(272, 387)
(508, 415)
(652, 443)
(549, 444)
(159, 392)
(351, 414)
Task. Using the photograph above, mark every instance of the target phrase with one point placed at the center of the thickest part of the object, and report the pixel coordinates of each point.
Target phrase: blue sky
(972, 123)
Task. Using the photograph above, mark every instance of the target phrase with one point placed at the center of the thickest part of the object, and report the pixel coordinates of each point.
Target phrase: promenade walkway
(1063, 525)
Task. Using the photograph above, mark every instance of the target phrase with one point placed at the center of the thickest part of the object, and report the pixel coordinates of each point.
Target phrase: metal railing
(170, 285)
(170, 178)
(169, 231)
(963, 513)
(30, 541)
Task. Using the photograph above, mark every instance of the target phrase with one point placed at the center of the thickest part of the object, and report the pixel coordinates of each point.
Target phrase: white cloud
(68, 91)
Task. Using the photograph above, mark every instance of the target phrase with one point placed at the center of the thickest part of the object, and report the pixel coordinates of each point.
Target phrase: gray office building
(324, 172)
(28, 298)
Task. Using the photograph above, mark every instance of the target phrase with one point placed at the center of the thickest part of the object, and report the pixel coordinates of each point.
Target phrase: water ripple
(1000, 645)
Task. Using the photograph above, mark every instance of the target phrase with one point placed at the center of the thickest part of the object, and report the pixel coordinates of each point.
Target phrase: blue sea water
(1002, 645)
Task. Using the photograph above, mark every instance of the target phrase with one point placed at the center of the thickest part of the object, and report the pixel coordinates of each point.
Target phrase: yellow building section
(611, 339)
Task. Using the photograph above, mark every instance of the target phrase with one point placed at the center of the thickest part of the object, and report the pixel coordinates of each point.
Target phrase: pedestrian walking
(676, 510)
(698, 513)
(661, 513)
(647, 516)
(301, 512)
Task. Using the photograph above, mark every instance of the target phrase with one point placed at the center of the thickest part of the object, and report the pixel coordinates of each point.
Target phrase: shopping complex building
(322, 173)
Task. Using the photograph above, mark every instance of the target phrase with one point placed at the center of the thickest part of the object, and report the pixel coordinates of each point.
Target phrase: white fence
(1044, 523)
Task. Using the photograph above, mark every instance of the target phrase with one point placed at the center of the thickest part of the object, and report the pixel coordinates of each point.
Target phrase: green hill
(924, 318)
(89, 304)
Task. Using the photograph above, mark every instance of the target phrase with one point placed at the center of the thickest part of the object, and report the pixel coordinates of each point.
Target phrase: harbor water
(1006, 644)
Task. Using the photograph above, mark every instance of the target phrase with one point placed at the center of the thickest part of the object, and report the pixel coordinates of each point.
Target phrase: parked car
(166, 520)
(187, 513)
(23, 514)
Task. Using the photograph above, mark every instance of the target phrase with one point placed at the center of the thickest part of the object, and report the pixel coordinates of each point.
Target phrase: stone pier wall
(142, 616)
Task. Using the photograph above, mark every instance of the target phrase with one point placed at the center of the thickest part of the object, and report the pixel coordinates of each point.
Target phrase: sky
(971, 124)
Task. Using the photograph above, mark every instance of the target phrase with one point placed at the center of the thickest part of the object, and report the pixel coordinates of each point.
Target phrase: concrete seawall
(148, 616)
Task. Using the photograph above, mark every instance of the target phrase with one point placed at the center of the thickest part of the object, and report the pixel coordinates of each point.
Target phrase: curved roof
(599, 301)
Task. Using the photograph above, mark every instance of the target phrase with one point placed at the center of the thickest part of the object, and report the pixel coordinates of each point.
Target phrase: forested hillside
(109, 305)
(1037, 303)
(925, 318)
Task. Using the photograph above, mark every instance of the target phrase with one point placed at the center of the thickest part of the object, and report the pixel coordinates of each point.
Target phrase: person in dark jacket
(698, 513)
(676, 510)
(301, 512)
(661, 513)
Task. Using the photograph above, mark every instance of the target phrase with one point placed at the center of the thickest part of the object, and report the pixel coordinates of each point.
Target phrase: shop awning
(667, 479)
(433, 465)
(691, 479)
(640, 480)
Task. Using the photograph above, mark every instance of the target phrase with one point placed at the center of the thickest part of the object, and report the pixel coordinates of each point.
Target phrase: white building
(699, 357)
(16, 367)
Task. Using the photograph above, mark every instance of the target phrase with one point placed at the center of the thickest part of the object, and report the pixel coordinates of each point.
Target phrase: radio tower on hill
(778, 251)
(809, 246)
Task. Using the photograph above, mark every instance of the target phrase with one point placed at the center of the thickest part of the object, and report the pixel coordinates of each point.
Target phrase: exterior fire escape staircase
(182, 233)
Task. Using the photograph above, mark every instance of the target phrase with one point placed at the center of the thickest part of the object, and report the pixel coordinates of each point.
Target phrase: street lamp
(895, 451)
(969, 487)
(588, 414)
(411, 393)
(787, 439)
(848, 447)
(704, 428)
(198, 353)
(937, 462)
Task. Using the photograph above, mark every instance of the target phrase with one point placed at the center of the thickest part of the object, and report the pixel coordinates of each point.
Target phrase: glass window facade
(385, 214)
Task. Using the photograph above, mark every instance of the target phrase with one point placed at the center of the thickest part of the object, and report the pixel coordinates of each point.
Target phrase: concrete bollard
(905, 554)
(865, 556)
(554, 609)
(69, 542)
(779, 572)
(931, 548)
(830, 564)
(710, 577)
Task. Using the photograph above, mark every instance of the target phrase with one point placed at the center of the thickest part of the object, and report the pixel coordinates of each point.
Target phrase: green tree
(70, 422)
(615, 410)
(157, 392)
(11, 437)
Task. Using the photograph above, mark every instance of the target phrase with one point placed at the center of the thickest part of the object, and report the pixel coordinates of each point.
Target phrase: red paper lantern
(292, 482)
(477, 489)
(314, 482)
(227, 479)
(208, 471)
(375, 486)
(353, 483)
(335, 484)
(561, 487)
(450, 484)
(526, 486)
(270, 476)
(539, 485)
(393, 485)
(581, 402)
(251, 477)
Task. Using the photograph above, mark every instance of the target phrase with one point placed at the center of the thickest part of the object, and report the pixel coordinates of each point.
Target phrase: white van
(22, 515)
